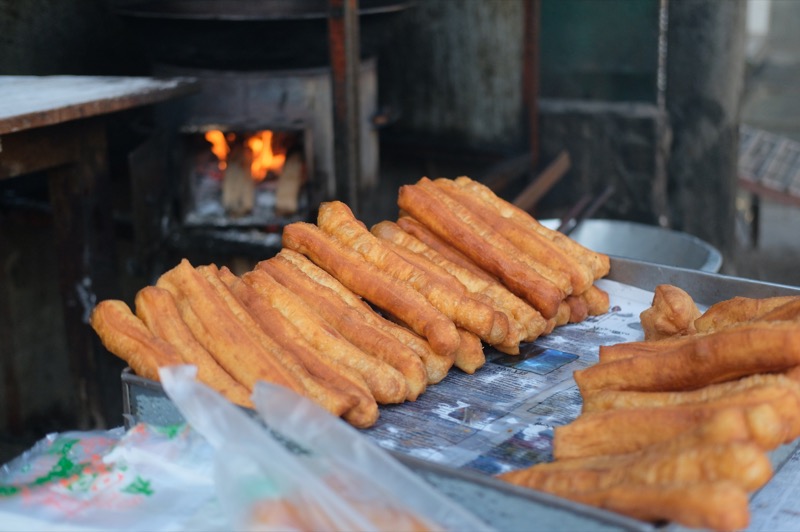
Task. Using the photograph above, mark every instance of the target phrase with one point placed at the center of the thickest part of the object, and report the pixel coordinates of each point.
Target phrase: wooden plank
(34, 101)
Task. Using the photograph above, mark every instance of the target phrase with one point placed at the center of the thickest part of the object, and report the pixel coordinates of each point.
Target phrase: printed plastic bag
(333, 478)
(148, 478)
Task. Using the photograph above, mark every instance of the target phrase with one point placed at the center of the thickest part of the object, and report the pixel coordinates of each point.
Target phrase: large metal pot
(646, 243)
(248, 34)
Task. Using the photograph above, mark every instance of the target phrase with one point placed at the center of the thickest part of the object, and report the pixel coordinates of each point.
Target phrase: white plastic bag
(334, 478)
(148, 478)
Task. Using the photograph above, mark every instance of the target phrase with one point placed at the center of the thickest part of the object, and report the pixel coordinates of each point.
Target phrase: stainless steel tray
(501, 505)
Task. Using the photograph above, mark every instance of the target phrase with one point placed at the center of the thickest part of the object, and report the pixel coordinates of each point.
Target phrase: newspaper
(501, 417)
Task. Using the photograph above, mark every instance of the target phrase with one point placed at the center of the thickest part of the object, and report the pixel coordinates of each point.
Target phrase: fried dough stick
(514, 334)
(743, 463)
(348, 322)
(377, 287)
(453, 223)
(221, 332)
(789, 311)
(445, 293)
(578, 309)
(384, 231)
(597, 300)
(528, 320)
(365, 411)
(436, 365)
(610, 353)
(728, 354)
(672, 312)
(125, 336)
(613, 399)
(555, 277)
(599, 263)
(386, 383)
(737, 310)
(770, 416)
(335, 400)
(158, 310)
(705, 505)
(469, 355)
(433, 241)
(538, 247)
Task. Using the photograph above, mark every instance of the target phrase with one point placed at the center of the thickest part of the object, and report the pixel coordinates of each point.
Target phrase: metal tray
(501, 505)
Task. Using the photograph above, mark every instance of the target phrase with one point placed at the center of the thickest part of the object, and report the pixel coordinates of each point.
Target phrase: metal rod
(343, 35)
(530, 76)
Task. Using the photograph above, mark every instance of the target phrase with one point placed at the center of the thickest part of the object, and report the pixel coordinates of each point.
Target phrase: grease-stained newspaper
(501, 417)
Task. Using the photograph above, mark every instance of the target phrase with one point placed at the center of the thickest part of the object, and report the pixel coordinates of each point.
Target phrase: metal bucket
(646, 243)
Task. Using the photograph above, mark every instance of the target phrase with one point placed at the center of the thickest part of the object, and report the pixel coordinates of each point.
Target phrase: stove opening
(246, 178)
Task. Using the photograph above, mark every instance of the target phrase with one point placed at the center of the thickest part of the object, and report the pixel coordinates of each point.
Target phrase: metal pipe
(343, 35)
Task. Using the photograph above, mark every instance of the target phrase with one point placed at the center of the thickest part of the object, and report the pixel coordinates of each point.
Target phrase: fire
(219, 146)
(263, 159)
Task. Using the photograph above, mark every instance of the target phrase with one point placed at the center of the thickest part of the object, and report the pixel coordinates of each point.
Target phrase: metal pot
(248, 34)
(646, 243)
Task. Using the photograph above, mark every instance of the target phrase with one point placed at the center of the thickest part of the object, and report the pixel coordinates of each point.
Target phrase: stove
(256, 147)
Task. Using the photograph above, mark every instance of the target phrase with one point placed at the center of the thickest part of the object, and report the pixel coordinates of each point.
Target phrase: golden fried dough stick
(612, 399)
(737, 310)
(158, 310)
(445, 293)
(436, 365)
(538, 247)
(610, 353)
(672, 313)
(376, 286)
(555, 276)
(452, 222)
(348, 322)
(728, 354)
(364, 412)
(597, 300)
(743, 463)
(789, 311)
(386, 383)
(514, 334)
(599, 263)
(770, 416)
(724, 426)
(706, 505)
(578, 309)
(563, 314)
(218, 329)
(334, 400)
(470, 356)
(524, 317)
(419, 231)
(125, 336)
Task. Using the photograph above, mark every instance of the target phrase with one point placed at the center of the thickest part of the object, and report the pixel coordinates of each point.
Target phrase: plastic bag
(148, 478)
(333, 478)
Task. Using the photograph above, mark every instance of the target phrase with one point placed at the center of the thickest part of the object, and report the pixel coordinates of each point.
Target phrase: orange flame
(260, 145)
(264, 159)
(219, 146)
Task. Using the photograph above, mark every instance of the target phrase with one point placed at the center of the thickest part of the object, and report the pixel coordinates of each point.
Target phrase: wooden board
(33, 101)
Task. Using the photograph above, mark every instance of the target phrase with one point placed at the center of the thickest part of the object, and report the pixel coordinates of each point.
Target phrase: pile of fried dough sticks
(354, 317)
(677, 427)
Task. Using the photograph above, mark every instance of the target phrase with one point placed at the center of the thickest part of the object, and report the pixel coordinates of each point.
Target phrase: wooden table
(57, 125)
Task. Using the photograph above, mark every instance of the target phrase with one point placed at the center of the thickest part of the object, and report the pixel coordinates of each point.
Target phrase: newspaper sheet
(501, 417)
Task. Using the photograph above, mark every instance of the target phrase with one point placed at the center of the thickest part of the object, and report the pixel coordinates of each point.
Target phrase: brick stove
(265, 71)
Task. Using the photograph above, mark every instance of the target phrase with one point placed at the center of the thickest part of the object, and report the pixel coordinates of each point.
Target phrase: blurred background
(675, 114)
